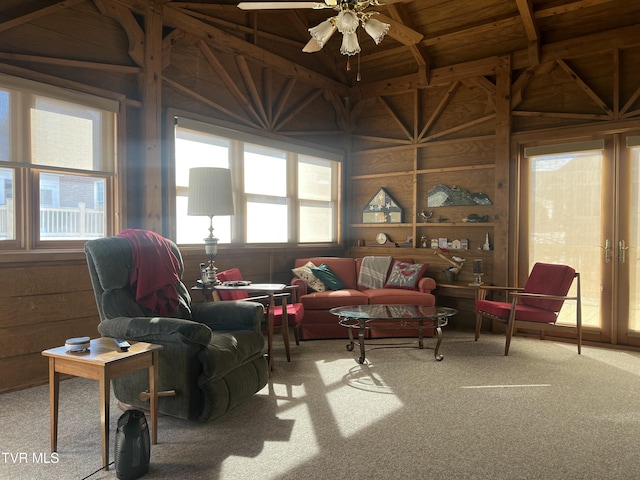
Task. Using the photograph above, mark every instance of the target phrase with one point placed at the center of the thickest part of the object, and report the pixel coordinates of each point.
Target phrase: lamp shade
(210, 192)
(322, 32)
(376, 29)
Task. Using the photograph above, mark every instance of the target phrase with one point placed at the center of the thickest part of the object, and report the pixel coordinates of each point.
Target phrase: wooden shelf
(455, 169)
(382, 225)
(455, 224)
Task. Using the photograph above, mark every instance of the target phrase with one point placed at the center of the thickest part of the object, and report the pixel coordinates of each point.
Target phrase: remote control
(122, 344)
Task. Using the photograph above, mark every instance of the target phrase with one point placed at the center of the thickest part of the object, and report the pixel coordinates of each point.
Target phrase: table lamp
(210, 193)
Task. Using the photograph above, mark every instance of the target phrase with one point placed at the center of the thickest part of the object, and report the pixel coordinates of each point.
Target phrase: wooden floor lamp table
(103, 362)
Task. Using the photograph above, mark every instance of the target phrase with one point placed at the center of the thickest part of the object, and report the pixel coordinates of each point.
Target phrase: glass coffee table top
(364, 317)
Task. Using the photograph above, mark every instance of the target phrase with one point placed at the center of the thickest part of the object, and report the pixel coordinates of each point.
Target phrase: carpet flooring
(543, 412)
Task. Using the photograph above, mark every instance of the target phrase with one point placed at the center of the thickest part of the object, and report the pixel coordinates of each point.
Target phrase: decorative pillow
(326, 275)
(405, 275)
(304, 272)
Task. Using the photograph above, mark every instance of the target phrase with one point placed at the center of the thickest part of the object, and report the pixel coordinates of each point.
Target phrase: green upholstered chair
(213, 355)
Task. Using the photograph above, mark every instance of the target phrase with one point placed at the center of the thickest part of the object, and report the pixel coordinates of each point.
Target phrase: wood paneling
(406, 126)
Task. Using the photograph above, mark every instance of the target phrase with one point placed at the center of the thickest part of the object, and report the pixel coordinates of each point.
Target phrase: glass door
(565, 214)
(581, 207)
(627, 254)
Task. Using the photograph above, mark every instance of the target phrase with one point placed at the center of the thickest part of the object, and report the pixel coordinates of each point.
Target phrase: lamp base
(211, 274)
(478, 281)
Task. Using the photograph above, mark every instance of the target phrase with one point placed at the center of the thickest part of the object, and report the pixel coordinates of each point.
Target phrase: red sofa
(318, 323)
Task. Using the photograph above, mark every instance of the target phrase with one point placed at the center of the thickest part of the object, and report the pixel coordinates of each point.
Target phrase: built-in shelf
(455, 224)
(455, 169)
(382, 225)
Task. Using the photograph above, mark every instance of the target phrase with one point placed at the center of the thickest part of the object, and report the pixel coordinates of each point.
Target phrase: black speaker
(133, 447)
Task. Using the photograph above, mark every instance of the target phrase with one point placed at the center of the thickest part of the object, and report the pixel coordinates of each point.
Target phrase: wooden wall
(461, 129)
(99, 47)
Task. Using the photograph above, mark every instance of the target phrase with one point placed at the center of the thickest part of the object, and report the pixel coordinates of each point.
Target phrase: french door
(580, 205)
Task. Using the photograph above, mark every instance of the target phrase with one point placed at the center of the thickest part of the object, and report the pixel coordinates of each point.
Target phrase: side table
(463, 290)
(103, 362)
(271, 290)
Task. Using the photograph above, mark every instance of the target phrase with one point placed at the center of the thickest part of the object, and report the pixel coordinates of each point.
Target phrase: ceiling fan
(351, 14)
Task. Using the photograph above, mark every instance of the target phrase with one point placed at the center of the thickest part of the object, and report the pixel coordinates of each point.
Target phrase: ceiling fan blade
(281, 5)
(399, 31)
(312, 46)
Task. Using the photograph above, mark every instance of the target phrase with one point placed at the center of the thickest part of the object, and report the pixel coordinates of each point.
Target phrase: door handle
(607, 250)
(622, 251)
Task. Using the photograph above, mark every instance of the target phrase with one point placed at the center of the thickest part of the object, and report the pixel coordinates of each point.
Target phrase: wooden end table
(103, 362)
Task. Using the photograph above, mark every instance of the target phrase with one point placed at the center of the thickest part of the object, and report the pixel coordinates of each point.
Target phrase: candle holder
(477, 272)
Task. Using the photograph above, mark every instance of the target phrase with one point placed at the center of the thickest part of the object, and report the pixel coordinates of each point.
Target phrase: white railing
(59, 222)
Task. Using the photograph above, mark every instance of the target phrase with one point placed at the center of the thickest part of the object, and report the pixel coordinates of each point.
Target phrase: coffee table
(365, 317)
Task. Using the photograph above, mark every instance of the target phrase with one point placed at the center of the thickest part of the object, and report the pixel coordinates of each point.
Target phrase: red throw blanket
(154, 272)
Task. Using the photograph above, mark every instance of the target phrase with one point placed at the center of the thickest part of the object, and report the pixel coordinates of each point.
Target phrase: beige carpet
(543, 412)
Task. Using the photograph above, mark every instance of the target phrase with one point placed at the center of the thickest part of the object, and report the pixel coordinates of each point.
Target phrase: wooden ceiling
(432, 34)
(428, 38)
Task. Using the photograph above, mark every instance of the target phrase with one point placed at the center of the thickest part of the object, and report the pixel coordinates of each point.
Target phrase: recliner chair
(213, 355)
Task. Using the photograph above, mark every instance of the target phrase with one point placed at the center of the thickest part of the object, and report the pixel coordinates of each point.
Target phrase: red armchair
(536, 306)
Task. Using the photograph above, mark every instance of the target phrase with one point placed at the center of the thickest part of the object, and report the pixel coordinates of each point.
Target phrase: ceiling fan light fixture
(347, 21)
(350, 45)
(323, 31)
(376, 29)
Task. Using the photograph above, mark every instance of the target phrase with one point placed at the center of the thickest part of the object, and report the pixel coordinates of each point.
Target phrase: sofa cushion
(305, 273)
(396, 296)
(328, 277)
(333, 298)
(405, 275)
(343, 267)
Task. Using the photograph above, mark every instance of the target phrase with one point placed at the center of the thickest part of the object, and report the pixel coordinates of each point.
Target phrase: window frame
(290, 148)
(26, 173)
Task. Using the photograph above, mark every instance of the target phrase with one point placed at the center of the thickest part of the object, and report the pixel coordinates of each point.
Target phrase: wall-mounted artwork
(382, 208)
(442, 196)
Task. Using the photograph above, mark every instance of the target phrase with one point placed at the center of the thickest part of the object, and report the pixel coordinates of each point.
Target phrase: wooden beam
(63, 62)
(525, 8)
(241, 62)
(458, 128)
(583, 85)
(395, 117)
(630, 102)
(223, 41)
(29, 17)
(419, 52)
(282, 99)
(572, 116)
(446, 99)
(472, 30)
(242, 29)
(501, 254)
(220, 70)
(209, 102)
(127, 21)
(152, 119)
(569, 7)
(301, 106)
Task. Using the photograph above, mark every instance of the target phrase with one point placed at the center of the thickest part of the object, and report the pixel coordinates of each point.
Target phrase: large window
(57, 164)
(284, 193)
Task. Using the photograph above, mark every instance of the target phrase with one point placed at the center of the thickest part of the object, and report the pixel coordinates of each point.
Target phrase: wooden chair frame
(517, 293)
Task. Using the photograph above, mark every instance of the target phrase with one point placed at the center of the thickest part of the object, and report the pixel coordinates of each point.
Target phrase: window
(316, 190)
(285, 193)
(57, 158)
(196, 149)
